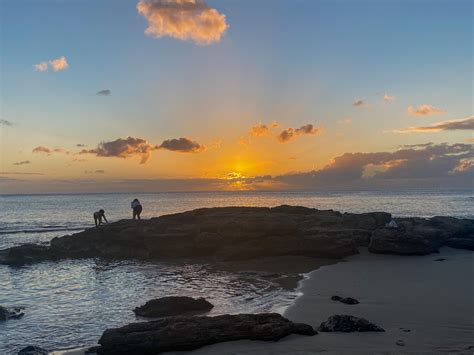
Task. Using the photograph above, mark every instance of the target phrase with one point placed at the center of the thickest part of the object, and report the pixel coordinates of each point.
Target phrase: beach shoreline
(435, 316)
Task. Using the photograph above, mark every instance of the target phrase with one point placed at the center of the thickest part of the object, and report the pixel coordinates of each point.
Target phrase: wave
(43, 229)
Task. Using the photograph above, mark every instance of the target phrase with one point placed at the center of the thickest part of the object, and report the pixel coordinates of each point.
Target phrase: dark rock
(10, 313)
(405, 330)
(440, 259)
(346, 300)
(173, 306)
(345, 323)
(461, 243)
(400, 342)
(188, 333)
(237, 233)
(33, 350)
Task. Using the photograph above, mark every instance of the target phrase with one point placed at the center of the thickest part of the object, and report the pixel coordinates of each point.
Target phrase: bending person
(98, 217)
(137, 209)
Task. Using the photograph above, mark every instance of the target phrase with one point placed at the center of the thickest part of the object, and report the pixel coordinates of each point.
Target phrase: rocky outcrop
(345, 323)
(10, 313)
(419, 236)
(346, 300)
(237, 233)
(33, 350)
(173, 306)
(188, 333)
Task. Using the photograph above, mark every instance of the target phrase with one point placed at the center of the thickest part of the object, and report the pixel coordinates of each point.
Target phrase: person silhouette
(98, 217)
(137, 209)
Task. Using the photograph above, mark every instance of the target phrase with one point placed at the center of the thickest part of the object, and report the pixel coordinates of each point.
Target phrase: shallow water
(70, 303)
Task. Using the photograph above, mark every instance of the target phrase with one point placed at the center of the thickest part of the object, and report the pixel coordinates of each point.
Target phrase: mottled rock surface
(347, 324)
(33, 350)
(173, 306)
(188, 333)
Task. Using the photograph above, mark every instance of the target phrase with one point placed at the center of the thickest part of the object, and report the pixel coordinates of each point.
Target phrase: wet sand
(433, 299)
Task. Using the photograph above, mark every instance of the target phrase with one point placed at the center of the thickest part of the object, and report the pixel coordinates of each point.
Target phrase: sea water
(71, 302)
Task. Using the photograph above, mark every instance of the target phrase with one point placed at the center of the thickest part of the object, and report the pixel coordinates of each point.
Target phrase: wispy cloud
(289, 134)
(23, 162)
(105, 92)
(6, 123)
(360, 103)
(424, 110)
(452, 125)
(91, 172)
(43, 66)
(190, 20)
(182, 145)
(42, 150)
(388, 97)
(80, 145)
(261, 129)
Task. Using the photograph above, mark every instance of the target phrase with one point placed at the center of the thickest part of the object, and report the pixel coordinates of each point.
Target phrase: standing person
(98, 217)
(137, 209)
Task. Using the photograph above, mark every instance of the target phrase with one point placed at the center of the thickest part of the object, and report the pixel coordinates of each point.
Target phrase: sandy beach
(433, 299)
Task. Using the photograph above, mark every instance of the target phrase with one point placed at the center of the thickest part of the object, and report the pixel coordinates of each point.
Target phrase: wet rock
(33, 350)
(172, 306)
(461, 243)
(346, 323)
(24, 254)
(188, 333)
(10, 313)
(346, 300)
(440, 259)
(405, 330)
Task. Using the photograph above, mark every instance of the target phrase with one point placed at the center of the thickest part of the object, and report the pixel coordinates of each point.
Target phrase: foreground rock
(347, 324)
(238, 233)
(10, 313)
(173, 306)
(346, 300)
(188, 333)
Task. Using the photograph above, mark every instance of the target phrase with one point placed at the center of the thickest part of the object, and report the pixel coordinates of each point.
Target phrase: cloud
(290, 133)
(43, 66)
(18, 173)
(80, 145)
(429, 166)
(90, 172)
(388, 97)
(469, 140)
(183, 145)
(59, 64)
(105, 92)
(23, 162)
(123, 148)
(42, 150)
(452, 125)
(424, 110)
(347, 120)
(360, 103)
(190, 20)
(6, 123)
(260, 130)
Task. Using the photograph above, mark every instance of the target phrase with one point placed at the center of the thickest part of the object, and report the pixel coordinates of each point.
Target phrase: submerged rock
(10, 313)
(33, 350)
(346, 300)
(188, 333)
(173, 306)
(345, 323)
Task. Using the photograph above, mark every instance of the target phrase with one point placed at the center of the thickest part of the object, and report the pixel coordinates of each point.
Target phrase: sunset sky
(180, 95)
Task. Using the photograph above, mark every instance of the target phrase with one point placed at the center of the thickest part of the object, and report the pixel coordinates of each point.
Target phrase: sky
(185, 95)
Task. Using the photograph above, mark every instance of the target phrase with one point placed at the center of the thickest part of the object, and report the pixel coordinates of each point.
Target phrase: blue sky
(291, 62)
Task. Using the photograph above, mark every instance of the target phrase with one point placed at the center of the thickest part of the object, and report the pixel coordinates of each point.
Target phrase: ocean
(70, 303)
